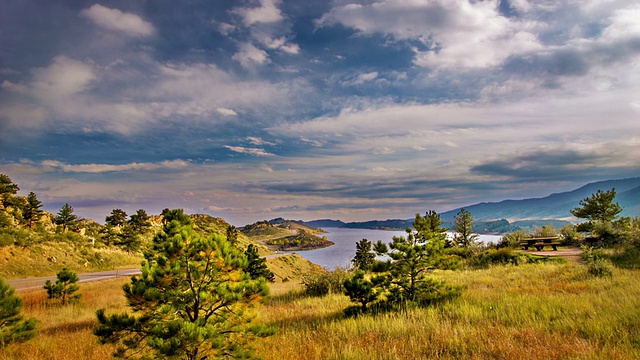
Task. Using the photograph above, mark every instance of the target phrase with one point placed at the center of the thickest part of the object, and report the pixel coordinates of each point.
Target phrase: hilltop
(281, 234)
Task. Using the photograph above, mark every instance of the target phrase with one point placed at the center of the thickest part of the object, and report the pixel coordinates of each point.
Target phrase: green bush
(598, 263)
(600, 268)
(325, 282)
(627, 257)
(511, 240)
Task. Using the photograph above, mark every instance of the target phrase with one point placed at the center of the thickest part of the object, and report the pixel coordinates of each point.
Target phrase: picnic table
(540, 242)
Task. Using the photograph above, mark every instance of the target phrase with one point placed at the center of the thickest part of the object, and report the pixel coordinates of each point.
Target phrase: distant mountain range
(510, 215)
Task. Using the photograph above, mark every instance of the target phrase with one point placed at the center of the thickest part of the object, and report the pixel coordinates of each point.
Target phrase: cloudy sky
(344, 109)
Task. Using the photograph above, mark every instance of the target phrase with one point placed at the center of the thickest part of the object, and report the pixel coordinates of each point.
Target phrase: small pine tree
(32, 210)
(364, 257)
(64, 287)
(463, 226)
(257, 265)
(232, 235)
(66, 217)
(139, 221)
(13, 327)
(361, 290)
(7, 189)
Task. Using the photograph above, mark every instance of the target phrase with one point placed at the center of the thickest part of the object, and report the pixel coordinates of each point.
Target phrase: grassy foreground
(543, 311)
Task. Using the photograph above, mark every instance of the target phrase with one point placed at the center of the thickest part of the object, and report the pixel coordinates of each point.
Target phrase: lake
(345, 241)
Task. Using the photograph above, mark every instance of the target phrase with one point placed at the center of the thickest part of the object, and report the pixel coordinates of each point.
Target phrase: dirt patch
(571, 254)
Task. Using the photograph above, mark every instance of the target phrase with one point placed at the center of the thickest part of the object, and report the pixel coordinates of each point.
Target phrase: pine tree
(599, 207)
(13, 327)
(364, 257)
(463, 226)
(64, 288)
(257, 266)
(66, 217)
(192, 300)
(412, 256)
(232, 235)
(7, 189)
(32, 210)
(140, 221)
(361, 290)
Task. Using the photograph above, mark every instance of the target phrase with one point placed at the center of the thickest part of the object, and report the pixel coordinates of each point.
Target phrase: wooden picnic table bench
(540, 243)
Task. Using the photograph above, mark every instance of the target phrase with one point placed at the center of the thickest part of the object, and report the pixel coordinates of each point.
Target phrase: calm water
(345, 241)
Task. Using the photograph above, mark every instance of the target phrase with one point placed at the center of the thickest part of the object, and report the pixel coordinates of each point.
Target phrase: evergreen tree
(64, 288)
(140, 221)
(599, 207)
(232, 235)
(364, 257)
(412, 257)
(192, 300)
(361, 290)
(117, 218)
(114, 231)
(66, 217)
(32, 210)
(257, 266)
(7, 189)
(13, 327)
(463, 226)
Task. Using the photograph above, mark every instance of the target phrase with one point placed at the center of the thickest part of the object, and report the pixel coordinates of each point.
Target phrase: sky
(343, 109)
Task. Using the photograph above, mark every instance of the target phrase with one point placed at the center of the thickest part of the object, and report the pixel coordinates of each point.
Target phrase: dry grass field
(541, 311)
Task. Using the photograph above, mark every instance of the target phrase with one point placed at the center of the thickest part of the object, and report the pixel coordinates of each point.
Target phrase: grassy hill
(281, 234)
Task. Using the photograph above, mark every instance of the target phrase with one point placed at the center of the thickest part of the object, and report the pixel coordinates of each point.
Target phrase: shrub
(512, 240)
(324, 282)
(600, 267)
(598, 263)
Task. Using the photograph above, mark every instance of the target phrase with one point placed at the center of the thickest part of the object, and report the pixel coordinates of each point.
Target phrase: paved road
(38, 283)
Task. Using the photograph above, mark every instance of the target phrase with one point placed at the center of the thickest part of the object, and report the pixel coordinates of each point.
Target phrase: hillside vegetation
(281, 234)
(34, 242)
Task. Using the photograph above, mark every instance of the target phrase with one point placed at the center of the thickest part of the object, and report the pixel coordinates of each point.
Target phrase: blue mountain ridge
(555, 208)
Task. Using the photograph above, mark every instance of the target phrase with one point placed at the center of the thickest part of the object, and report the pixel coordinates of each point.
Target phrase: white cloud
(250, 151)
(458, 33)
(362, 78)
(259, 141)
(267, 12)
(114, 19)
(249, 55)
(104, 168)
(71, 94)
(268, 29)
(227, 112)
(63, 77)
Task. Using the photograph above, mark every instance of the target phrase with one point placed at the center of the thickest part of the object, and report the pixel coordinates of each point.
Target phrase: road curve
(38, 283)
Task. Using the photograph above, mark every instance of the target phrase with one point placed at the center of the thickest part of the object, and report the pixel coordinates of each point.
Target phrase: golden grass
(18, 262)
(553, 311)
(65, 332)
(546, 311)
